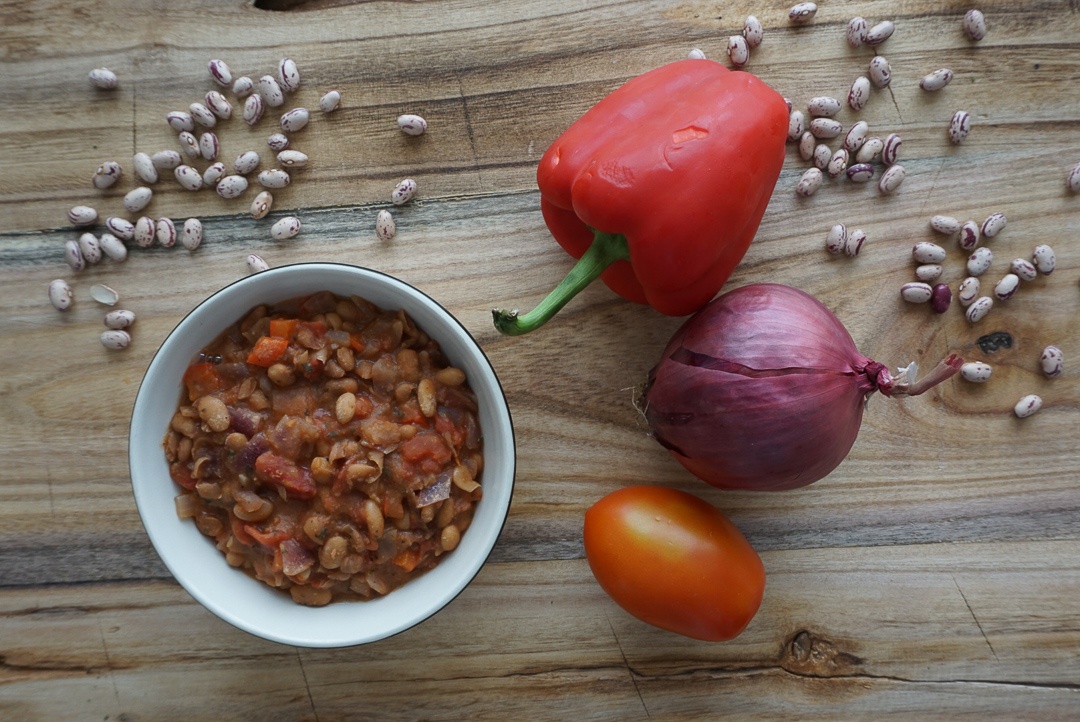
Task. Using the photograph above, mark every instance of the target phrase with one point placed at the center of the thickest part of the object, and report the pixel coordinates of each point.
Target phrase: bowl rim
(292, 638)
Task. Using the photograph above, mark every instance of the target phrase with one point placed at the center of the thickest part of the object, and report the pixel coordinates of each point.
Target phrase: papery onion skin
(762, 389)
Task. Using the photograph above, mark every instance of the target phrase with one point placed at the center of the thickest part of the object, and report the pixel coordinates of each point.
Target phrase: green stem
(606, 248)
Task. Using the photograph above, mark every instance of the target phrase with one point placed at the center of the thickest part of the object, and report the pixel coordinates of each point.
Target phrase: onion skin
(764, 389)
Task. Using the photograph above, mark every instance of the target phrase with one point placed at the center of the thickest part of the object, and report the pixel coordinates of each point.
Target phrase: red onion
(764, 389)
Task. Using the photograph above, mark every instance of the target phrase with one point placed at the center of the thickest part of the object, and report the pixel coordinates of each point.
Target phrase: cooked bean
(449, 538)
(425, 395)
(213, 412)
(281, 374)
(345, 408)
(450, 376)
(374, 517)
(333, 552)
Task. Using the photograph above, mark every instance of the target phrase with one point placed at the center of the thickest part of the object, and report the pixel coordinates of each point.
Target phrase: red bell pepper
(659, 188)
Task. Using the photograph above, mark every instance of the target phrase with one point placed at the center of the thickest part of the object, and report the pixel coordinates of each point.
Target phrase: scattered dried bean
(1043, 259)
(1052, 361)
(809, 183)
(959, 127)
(295, 119)
(188, 177)
(103, 78)
(979, 308)
(232, 186)
(859, 93)
(753, 31)
(119, 319)
(403, 192)
(979, 262)
(262, 204)
(945, 224)
(926, 252)
(835, 240)
(165, 232)
(385, 228)
(1027, 406)
(1024, 269)
(880, 71)
(288, 75)
(974, 25)
(274, 178)
(936, 80)
(285, 228)
(802, 12)
(107, 174)
(738, 50)
(856, 32)
(969, 235)
(891, 178)
(976, 372)
(256, 264)
(145, 231)
(854, 242)
(60, 295)
(220, 72)
(137, 199)
(968, 291)
(330, 101)
(84, 215)
(916, 292)
(115, 339)
(1006, 287)
(192, 236)
(879, 33)
(113, 247)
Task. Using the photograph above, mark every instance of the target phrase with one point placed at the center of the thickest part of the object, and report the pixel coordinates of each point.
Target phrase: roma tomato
(674, 561)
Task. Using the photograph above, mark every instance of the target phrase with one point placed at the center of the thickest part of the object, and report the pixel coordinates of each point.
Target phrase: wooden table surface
(935, 573)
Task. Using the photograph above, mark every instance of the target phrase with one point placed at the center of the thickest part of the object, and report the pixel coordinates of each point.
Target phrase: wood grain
(934, 574)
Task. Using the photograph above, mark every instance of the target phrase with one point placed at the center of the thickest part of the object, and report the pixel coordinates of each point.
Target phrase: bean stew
(327, 447)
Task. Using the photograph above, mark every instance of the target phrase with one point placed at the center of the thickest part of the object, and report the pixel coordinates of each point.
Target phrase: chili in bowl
(322, 455)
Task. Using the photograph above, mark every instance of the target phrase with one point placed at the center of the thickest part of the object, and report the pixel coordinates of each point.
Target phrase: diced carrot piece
(267, 351)
(202, 379)
(283, 327)
(408, 558)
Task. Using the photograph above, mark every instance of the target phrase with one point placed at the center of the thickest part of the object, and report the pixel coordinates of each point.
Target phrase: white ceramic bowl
(230, 593)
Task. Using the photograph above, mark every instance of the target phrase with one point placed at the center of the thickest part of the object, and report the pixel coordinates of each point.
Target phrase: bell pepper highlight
(660, 187)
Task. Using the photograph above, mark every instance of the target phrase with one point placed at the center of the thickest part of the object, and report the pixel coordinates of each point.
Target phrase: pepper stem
(606, 248)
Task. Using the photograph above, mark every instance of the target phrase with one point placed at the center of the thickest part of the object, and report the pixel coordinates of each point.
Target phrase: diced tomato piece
(426, 445)
(283, 327)
(408, 558)
(295, 480)
(272, 535)
(357, 344)
(267, 351)
(449, 430)
(202, 379)
(411, 414)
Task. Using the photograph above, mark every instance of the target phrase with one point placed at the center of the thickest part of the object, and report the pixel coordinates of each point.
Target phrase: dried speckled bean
(978, 309)
(180, 121)
(330, 101)
(145, 232)
(295, 119)
(856, 136)
(119, 319)
(959, 127)
(969, 236)
(82, 215)
(696, 54)
(856, 32)
(120, 227)
(270, 91)
(838, 163)
(1006, 287)
(936, 80)
(892, 178)
(738, 51)
(879, 33)
(826, 128)
(145, 170)
(90, 247)
(137, 199)
(926, 252)
(60, 294)
(822, 155)
(103, 78)
(220, 72)
(165, 232)
(1072, 179)
(860, 172)
(836, 238)
(974, 24)
(753, 31)
(1024, 269)
(242, 87)
(929, 272)
(1043, 259)
(823, 106)
(278, 142)
(976, 372)
(274, 178)
(188, 177)
(916, 292)
(189, 144)
(802, 12)
(411, 124)
(202, 115)
(859, 93)
(880, 71)
(73, 256)
(246, 162)
(890, 151)
(403, 192)
(854, 243)
(115, 339)
(979, 262)
(796, 125)
(945, 224)
(231, 186)
(288, 75)
(107, 174)
(385, 228)
(1027, 406)
(254, 107)
(218, 104)
(285, 228)
(256, 264)
(262, 204)
(192, 235)
(209, 146)
(968, 291)
(807, 143)
(809, 183)
(213, 173)
(993, 225)
(1052, 361)
(166, 159)
(113, 247)
(292, 159)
